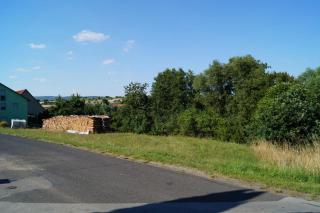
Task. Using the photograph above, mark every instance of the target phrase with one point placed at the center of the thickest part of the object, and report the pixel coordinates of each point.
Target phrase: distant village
(50, 102)
(26, 110)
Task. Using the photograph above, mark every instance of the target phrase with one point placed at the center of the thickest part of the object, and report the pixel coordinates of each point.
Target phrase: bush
(285, 114)
(4, 124)
(203, 123)
(235, 129)
(187, 122)
(209, 124)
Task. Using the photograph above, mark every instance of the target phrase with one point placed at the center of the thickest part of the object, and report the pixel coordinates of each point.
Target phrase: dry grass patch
(302, 158)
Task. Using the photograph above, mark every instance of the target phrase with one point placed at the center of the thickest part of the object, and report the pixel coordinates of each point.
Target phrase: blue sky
(95, 47)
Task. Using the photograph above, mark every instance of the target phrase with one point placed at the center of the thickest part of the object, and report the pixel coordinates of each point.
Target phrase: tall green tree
(214, 88)
(172, 92)
(234, 89)
(134, 116)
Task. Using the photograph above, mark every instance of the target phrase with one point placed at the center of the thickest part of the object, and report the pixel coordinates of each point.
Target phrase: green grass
(209, 156)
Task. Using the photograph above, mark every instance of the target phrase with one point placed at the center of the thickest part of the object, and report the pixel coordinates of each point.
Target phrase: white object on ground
(78, 132)
(16, 123)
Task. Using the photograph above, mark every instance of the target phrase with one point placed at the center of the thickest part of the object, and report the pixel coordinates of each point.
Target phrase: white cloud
(87, 35)
(21, 69)
(109, 61)
(13, 77)
(37, 46)
(41, 80)
(129, 45)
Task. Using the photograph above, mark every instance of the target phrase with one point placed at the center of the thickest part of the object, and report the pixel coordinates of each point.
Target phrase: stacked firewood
(78, 123)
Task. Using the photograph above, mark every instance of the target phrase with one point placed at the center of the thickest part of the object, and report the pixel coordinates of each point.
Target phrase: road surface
(45, 177)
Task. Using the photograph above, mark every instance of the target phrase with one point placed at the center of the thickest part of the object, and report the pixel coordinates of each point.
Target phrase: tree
(74, 106)
(279, 77)
(310, 79)
(233, 90)
(134, 116)
(99, 108)
(214, 88)
(171, 93)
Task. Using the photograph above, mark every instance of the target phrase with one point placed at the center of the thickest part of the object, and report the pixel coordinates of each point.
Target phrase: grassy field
(212, 157)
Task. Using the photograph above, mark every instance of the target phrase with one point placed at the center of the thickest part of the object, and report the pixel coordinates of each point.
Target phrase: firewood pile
(78, 123)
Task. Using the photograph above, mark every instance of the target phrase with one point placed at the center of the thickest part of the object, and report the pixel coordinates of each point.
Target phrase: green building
(12, 105)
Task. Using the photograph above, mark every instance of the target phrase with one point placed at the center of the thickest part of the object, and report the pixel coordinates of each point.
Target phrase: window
(3, 106)
(2, 95)
(15, 107)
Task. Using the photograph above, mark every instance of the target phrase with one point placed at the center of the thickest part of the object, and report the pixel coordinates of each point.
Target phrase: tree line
(234, 101)
(77, 105)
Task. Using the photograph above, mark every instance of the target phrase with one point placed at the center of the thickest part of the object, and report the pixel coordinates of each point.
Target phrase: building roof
(24, 92)
(13, 91)
(20, 92)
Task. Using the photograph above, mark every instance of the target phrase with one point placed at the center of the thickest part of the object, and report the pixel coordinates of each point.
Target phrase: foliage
(102, 108)
(220, 102)
(203, 123)
(279, 77)
(74, 106)
(187, 122)
(4, 124)
(77, 105)
(290, 112)
(233, 90)
(214, 88)
(134, 116)
(171, 93)
(310, 79)
(286, 114)
(232, 101)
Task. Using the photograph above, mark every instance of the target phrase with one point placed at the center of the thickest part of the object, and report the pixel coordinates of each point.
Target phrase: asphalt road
(38, 176)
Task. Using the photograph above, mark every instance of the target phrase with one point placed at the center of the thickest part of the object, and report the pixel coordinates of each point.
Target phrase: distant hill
(52, 98)
(49, 98)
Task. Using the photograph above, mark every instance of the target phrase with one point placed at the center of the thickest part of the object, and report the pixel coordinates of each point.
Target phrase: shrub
(187, 122)
(209, 123)
(285, 114)
(235, 129)
(203, 123)
(3, 124)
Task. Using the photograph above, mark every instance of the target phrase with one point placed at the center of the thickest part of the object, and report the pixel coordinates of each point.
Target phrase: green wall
(16, 106)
